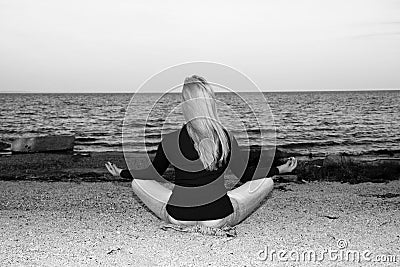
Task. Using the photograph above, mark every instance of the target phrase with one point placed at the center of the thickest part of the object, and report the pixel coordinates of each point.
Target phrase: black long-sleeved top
(199, 194)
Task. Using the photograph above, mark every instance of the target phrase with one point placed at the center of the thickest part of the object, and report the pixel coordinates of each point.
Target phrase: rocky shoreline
(89, 166)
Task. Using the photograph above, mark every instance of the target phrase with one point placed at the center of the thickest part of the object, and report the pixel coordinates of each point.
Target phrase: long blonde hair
(200, 111)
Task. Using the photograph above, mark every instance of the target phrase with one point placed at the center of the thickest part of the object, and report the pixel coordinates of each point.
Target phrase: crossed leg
(248, 197)
(245, 199)
(154, 195)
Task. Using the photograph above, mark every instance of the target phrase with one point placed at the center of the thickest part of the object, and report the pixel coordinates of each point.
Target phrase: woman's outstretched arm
(154, 171)
(239, 165)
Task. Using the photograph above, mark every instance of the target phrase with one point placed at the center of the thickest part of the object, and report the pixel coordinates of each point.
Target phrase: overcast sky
(114, 46)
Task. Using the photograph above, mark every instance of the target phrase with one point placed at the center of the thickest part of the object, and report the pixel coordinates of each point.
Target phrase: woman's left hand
(289, 166)
(113, 169)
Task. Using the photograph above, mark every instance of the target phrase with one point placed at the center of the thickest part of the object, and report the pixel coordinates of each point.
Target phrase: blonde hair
(200, 111)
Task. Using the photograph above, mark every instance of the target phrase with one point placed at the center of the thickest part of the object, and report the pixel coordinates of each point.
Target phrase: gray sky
(113, 46)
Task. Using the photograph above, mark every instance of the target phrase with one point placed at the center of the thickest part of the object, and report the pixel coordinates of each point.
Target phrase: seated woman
(200, 152)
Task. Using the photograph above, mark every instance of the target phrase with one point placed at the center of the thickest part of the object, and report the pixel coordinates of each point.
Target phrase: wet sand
(83, 221)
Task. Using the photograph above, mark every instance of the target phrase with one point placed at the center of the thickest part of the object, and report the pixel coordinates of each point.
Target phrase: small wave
(156, 120)
(310, 144)
(253, 131)
(329, 123)
(118, 144)
(27, 113)
(134, 125)
(259, 131)
(8, 131)
(321, 129)
(99, 134)
(153, 135)
(85, 139)
(150, 125)
(104, 144)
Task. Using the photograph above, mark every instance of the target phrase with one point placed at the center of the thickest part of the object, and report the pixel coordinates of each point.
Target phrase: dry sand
(103, 223)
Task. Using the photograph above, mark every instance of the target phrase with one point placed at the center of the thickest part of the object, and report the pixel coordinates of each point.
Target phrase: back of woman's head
(200, 112)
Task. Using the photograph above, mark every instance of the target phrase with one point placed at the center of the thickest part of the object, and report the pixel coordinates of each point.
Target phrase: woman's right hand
(113, 169)
(289, 166)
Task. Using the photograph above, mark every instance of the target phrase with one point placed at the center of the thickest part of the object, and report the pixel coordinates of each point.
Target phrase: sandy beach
(89, 222)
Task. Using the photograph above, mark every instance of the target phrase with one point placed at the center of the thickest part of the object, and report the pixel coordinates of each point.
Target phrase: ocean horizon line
(223, 92)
